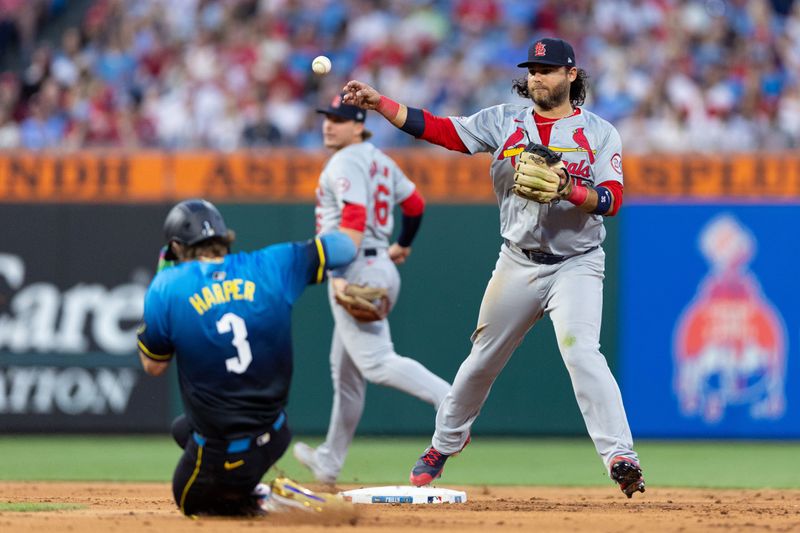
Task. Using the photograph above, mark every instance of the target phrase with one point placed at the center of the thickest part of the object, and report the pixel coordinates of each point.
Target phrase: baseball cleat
(628, 474)
(285, 495)
(429, 467)
(307, 456)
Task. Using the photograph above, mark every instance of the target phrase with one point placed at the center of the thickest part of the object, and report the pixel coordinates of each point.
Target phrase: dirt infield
(123, 508)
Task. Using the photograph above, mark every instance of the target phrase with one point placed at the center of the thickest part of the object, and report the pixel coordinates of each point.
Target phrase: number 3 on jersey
(231, 322)
(382, 204)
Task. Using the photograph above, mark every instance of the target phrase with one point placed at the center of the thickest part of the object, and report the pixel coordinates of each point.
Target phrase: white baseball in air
(321, 65)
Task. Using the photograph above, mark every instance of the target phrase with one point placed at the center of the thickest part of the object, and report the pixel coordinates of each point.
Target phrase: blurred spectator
(45, 126)
(9, 131)
(67, 62)
(19, 20)
(677, 75)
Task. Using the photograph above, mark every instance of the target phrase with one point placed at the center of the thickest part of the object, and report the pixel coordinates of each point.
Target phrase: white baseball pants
(362, 352)
(517, 296)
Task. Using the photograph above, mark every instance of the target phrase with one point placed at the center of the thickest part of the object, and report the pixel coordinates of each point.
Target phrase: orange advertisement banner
(291, 176)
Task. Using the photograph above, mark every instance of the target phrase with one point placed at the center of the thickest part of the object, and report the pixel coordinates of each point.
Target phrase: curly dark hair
(577, 89)
(218, 246)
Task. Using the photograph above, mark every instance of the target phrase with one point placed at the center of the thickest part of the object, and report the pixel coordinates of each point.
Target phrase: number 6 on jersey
(228, 322)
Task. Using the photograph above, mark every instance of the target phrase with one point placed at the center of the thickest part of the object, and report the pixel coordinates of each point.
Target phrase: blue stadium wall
(710, 319)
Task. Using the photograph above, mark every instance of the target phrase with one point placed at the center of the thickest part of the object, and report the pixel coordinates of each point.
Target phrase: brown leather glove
(366, 304)
(541, 175)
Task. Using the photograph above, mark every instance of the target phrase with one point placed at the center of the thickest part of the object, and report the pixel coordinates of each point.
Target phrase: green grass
(487, 461)
(33, 507)
(61, 458)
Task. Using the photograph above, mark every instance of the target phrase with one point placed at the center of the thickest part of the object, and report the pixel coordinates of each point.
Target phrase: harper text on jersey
(220, 293)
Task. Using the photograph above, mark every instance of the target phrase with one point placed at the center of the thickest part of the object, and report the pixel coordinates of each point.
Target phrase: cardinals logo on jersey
(514, 145)
(729, 345)
(580, 139)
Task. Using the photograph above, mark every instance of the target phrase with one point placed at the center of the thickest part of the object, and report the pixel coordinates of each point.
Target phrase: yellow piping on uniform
(321, 252)
(194, 476)
(558, 149)
(152, 355)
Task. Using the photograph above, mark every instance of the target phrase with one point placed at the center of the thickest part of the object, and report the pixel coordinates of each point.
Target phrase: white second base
(404, 494)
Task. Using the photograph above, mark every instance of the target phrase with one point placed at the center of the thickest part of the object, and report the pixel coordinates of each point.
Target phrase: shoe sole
(424, 479)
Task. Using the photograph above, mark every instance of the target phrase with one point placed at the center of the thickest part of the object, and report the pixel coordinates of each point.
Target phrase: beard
(550, 99)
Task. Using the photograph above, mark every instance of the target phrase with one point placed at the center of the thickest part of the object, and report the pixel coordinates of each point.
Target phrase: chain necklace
(548, 120)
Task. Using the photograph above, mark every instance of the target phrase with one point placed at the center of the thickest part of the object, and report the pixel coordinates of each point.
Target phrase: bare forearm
(600, 200)
(154, 368)
(590, 203)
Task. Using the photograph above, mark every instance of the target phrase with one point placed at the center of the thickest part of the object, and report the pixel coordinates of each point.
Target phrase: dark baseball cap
(337, 108)
(550, 52)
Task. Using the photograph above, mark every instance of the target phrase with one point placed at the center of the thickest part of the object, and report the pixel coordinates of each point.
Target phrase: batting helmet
(191, 222)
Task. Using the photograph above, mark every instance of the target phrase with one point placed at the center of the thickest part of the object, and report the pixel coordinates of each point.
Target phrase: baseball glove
(540, 175)
(366, 304)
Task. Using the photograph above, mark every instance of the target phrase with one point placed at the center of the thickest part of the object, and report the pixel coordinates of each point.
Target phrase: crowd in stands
(672, 75)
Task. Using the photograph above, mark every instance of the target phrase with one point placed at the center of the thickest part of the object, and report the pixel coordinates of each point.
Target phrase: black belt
(369, 252)
(546, 258)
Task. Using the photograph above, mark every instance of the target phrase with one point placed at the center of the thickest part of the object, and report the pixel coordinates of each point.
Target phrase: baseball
(321, 65)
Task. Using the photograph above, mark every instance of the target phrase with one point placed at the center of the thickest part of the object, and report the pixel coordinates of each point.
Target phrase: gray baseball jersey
(591, 149)
(522, 290)
(362, 174)
(363, 352)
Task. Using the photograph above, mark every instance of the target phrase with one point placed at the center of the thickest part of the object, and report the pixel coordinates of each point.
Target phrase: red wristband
(388, 107)
(578, 195)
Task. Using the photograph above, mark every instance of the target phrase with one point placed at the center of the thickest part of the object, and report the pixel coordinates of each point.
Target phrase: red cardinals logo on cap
(539, 50)
(336, 102)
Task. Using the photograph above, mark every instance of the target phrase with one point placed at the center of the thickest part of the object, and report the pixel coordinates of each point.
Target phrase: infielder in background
(226, 319)
(357, 192)
(551, 261)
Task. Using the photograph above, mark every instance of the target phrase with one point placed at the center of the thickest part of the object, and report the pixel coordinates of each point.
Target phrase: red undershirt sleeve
(441, 131)
(414, 205)
(354, 217)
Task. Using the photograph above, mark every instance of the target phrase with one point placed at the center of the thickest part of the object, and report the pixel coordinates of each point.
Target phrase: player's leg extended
(510, 307)
(349, 393)
(575, 305)
(370, 346)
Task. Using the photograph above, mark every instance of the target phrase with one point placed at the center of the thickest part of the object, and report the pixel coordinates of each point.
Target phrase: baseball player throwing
(556, 171)
(358, 189)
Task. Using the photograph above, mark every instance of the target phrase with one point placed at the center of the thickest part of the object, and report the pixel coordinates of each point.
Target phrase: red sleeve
(354, 216)
(616, 189)
(441, 131)
(414, 205)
